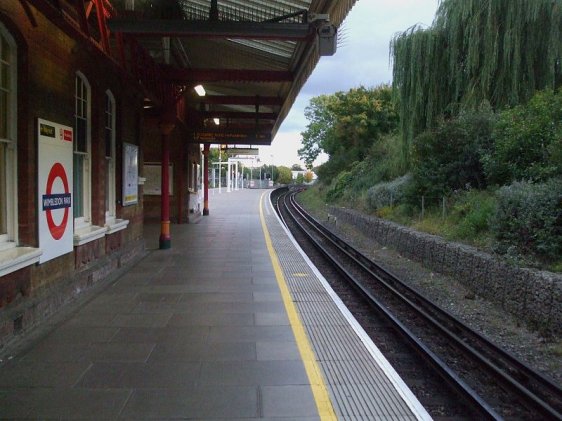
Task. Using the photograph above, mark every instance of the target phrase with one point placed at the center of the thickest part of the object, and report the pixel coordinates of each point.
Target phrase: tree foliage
(319, 127)
(450, 156)
(500, 51)
(284, 175)
(527, 141)
(214, 154)
(345, 125)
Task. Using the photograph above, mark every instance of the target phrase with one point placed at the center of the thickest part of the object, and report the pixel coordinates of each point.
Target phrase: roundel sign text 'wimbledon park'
(53, 201)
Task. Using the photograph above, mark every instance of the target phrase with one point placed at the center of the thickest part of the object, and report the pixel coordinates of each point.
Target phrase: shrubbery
(527, 141)
(471, 213)
(339, 186)
(465, 159)
(528, 220)
(388, 193)
(450, 156)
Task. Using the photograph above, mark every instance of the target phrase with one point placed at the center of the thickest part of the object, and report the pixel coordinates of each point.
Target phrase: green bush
(339, 186)
(385, 161)
(471, 214)
(388, 193)
(528, 220)
(527, 141)
(449, 157)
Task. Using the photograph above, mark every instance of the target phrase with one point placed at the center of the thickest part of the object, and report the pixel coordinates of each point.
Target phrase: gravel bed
(543, 354)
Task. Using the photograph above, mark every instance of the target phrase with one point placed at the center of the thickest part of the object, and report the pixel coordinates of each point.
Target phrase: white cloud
(363, 59)
(283, 150)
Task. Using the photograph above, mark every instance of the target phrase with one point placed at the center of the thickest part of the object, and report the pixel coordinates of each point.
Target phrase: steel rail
(463, 390)
(514, 373)
(539, 392)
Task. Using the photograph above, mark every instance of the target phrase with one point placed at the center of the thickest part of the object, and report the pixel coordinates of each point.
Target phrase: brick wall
(48, 59)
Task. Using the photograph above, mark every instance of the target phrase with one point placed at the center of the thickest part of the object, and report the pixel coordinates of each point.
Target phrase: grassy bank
(466, 218)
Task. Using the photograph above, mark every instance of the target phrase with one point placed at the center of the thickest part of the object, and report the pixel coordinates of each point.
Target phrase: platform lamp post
(236, 176)
(166, 127)
(228, 175)
(206, 180)
(220, 175)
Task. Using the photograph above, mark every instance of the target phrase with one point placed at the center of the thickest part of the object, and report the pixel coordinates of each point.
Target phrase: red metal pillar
(206, 180)
(166, 127)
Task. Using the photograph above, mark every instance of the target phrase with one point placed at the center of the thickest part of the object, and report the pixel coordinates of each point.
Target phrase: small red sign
(67, 135)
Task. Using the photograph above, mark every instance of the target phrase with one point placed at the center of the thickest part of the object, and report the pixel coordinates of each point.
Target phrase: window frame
(13, 257)
(110, 161)
(85, 220)
(9, 238)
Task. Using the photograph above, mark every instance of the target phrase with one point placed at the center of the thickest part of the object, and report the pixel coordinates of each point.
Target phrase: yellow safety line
(319, 390)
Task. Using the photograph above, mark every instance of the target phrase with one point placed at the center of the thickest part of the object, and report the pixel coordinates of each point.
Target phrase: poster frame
(130, 190)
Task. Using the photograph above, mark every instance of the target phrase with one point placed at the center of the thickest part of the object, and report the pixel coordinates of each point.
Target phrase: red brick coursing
(48, 57)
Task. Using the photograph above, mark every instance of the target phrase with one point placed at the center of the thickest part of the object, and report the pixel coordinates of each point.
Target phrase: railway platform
(233, 322)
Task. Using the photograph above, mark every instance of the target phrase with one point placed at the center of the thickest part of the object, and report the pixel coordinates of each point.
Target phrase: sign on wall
(130, 174)
(56, 220)
(153, 173)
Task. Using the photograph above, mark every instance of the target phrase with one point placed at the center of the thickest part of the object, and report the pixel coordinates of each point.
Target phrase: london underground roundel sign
(57, 201)
(55, 181)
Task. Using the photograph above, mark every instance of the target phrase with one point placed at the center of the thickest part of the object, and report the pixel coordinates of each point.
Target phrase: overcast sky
(363, 59)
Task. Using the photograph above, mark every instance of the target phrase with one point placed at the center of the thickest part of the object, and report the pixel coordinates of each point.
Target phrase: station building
(97, 99)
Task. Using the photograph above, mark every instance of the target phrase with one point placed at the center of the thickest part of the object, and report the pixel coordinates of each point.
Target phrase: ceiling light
(217, 121)
(200, 90)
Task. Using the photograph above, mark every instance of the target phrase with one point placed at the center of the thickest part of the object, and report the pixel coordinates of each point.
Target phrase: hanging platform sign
(237, 137)
(56, 220)
(242, 151)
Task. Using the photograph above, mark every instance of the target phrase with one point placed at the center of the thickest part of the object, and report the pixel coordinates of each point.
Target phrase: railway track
(491, 382)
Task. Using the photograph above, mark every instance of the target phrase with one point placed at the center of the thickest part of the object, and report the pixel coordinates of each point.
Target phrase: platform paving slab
(199, 331)
(361, 384)
(195, 332)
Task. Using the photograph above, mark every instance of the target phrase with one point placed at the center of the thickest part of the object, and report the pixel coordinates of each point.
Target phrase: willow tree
(494, 51)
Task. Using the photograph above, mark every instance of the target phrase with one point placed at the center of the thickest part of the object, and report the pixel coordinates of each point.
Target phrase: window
(12, 258)
(8, 118)
(84, 231)
(81, 191)
(109, 158)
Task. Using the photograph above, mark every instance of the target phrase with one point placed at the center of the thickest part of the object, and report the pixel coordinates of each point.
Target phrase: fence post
(423, 207)
(443, 207)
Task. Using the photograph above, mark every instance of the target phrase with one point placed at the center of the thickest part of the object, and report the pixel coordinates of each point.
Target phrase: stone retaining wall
(531, 295)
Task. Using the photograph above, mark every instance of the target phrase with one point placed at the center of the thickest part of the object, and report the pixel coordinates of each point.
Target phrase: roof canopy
(252, 57)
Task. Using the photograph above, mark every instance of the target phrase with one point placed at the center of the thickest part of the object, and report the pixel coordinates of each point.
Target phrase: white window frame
(12, 257)
(84, 230)
(10, 237)
(110, 117)
(85, 220)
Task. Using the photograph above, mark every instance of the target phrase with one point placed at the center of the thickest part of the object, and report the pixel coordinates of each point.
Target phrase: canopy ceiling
(251, 56)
